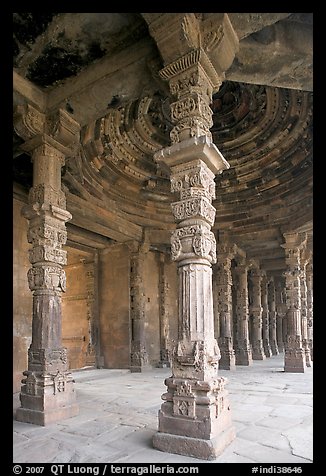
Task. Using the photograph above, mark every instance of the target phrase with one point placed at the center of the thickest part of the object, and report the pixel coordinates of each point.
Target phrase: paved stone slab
(272, 415)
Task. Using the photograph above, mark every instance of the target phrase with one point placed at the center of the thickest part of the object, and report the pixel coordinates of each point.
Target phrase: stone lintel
(195, 148)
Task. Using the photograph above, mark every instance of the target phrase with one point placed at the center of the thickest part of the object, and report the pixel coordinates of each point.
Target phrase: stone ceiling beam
(103, 85)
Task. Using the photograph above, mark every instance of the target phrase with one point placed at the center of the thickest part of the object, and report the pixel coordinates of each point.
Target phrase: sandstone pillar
(91, 302)
(165, 356)
(223, 289)
(47, 393)
(272, 317)
(264, 300)
(304, 314)
(256, 312)
(294, 360)
(243, 351)
(138, 356)
(195, 418)
(280, 313)
(309, 276)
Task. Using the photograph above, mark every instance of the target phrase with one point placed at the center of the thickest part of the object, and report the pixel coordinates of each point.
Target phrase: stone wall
(75, 326)
(114, 306)
(22, 297)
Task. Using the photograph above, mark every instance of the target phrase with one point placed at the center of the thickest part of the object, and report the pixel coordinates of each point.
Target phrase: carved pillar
(165, 354)
(256, 312)
(264, 301)
(90, 269)
(280, 313)
(243, 351)
(139, 357)
(47, 393)
(309, 278)
(195, 418)
(294, 360)
(272, 317)
(223, 291)
(304, 317)
(284, 322)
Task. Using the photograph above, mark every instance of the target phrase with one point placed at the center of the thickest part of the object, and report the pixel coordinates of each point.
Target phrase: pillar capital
(55, 131)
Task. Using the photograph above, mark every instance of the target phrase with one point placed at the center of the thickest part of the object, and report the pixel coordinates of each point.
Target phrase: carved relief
(47, 277)
(59, 383)
(47, 253)
(44, 193)
(28, 121)
(192, 208)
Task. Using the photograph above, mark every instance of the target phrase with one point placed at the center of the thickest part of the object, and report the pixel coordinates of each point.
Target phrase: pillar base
(47, 397)
(308, 358)
(280, 348)
(258, 355)
(294, 361)
(267, 351)
(194, 447)
(274, 349)
(258, 352)
(140, 368)
(243, 357)
(44, 418)
(227, 360)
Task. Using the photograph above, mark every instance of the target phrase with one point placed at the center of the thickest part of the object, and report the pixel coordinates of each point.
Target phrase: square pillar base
(243, 357)
(294, 361)
(194, 447)
(44, 418)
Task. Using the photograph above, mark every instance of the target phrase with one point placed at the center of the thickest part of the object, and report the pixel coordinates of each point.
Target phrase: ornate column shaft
(165, 354)
(256, 312)
(309, 277)
(280, 313)
(264, 300)
(223, 289)
(195, 418)
(138, 356)
(272, 317)
(304, 316)
(47, 393)
(91, 351)
(294, 360)
(243, 351)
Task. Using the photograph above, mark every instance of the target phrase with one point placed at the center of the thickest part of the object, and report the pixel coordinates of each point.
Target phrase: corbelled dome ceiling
(114, 186)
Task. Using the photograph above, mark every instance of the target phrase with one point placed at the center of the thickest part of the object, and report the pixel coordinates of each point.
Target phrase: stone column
(91, 351)
(47, 393)
(243, 351)
(294, 360)
(138, 356)
(195, 418)
(280, 313)
(264, 300)
(272, 317)
(165, 354)
(309, 278)
(223, 289)
(256, 312)
(304, 316)
(284, 321)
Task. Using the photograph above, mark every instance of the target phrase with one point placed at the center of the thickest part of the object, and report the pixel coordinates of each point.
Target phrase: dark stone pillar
(47, 393)
(243, 352)
(223, 291)
(272, 317)
(256, 312)
(310, 311)
(280, 312)
(264, 299)
(294, 360)
(139, 357)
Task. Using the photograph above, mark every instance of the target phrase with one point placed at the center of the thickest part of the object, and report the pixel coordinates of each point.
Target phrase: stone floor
(272, 413)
